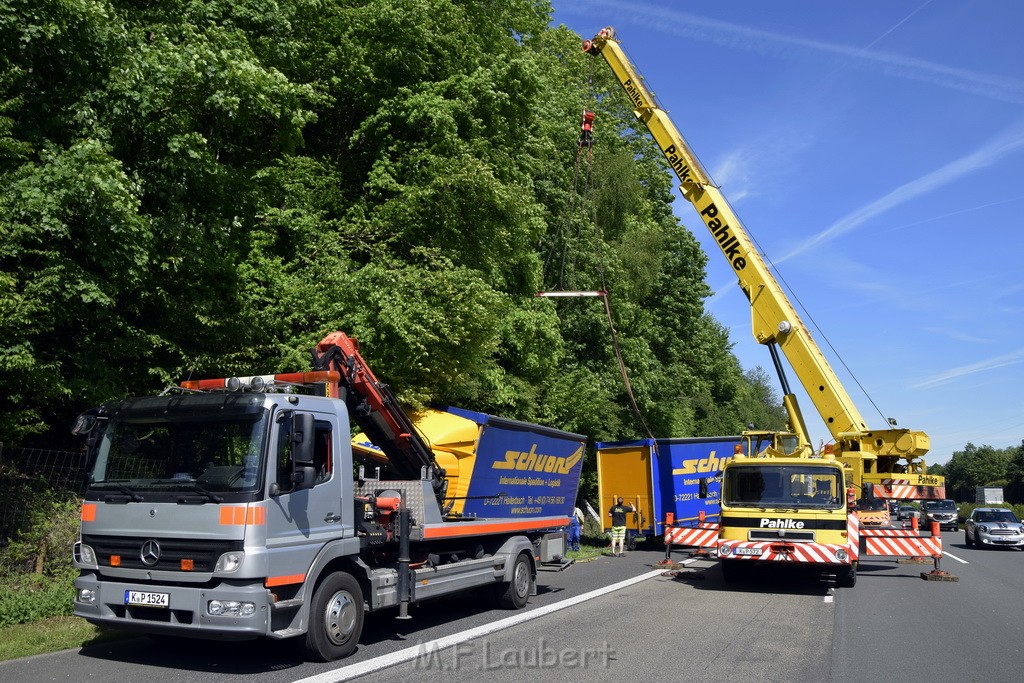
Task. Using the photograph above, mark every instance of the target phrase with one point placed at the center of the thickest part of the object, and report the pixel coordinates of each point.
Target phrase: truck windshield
(197, 447)
(785, 486)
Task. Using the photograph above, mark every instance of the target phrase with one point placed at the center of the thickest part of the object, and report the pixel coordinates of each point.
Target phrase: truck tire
(846, 577)
(335, 619)
(515, 593)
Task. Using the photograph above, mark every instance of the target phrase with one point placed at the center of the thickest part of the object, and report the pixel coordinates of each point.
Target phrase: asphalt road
(688, 626)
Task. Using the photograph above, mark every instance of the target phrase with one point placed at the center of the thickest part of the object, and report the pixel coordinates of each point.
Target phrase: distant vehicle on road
(908, 512)
(873, 512)
(993, 527)
(942, 511)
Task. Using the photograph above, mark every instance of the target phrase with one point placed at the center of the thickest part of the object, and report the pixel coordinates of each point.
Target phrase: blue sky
(875, 151)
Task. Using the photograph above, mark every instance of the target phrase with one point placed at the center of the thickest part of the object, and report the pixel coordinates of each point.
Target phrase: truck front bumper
(187, 612)
(797, 553)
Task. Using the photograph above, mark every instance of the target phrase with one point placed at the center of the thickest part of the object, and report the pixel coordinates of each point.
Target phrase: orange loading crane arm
(374, 407)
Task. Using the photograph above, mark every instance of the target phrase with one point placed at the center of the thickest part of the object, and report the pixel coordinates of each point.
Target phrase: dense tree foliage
(978, 466)
(204, 188)
(1015, 475)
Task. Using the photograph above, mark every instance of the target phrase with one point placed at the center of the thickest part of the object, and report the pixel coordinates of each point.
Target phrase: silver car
(993, 526)
(942, 511)
(908, 512)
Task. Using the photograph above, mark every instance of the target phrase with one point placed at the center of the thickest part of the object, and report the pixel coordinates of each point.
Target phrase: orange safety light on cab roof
(257, 382)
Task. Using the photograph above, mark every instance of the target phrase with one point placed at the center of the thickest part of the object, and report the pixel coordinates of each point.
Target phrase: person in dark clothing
(618, 514)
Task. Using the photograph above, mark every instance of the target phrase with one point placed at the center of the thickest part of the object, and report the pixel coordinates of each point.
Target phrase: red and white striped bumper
(704, 535)
(781, 551)
(900, 543)
(901, 489)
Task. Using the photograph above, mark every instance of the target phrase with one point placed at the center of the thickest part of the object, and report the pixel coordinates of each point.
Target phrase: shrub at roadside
(29, 597)
(36, 573)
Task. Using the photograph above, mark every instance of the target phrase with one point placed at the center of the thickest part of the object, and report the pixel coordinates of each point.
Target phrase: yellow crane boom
(889, 459)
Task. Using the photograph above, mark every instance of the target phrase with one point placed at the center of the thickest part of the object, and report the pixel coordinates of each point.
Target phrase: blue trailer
(661, 478)
(496, 467)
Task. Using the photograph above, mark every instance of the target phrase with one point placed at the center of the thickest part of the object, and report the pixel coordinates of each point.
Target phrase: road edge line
(384, 661)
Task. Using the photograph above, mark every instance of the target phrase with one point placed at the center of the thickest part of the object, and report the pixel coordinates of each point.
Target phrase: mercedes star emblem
(150, 554)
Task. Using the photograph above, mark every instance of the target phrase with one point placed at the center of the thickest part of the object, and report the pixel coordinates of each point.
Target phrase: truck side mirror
(302, 438)
(84, 424)
(702, 487)
(303, 476)
(303, 473)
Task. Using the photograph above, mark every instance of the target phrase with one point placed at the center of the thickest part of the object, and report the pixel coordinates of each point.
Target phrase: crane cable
(574, 207)
(587, 141)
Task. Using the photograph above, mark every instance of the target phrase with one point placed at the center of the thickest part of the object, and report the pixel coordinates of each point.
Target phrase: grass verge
(51, 635)
(588, 552)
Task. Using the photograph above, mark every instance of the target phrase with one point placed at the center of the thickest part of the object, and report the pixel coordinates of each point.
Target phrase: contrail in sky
(1007, 142)
(1012, 358)
(741, 37)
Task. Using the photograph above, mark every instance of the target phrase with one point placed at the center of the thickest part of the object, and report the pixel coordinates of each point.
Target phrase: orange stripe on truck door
(284, 580)
(231, 515)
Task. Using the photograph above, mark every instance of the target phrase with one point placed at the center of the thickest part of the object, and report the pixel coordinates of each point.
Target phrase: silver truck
(232, 509)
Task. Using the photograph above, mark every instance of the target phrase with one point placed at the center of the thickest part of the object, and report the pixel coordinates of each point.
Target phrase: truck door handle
(332, 517)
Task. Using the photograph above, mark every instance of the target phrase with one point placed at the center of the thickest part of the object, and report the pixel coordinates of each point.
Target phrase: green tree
(975, 466)
(209, 188)
(1015, 475)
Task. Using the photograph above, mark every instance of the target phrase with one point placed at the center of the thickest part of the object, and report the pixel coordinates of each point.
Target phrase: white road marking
(947, 554)
(408, 654)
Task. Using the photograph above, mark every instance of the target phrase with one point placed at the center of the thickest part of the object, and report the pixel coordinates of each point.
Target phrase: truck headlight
(842, 555)
(723, 550)
(84, 555)
(229, 562)
(87, 595)
(230, 608)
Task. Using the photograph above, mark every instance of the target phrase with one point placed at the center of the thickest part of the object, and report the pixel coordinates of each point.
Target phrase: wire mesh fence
(26, 473)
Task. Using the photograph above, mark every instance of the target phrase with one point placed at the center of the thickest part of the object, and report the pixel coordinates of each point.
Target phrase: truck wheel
(631, 543)
(847, 576)
(335, 619)
(514, 594)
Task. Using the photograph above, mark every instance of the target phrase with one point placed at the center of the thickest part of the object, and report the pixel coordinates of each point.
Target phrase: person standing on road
(618, 515)
(575, 524)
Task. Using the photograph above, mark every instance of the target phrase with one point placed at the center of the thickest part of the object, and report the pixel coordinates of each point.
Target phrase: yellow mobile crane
(789, 506)
(888, 462)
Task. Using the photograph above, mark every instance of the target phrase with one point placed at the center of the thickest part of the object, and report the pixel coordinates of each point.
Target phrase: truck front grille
(203, 553)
